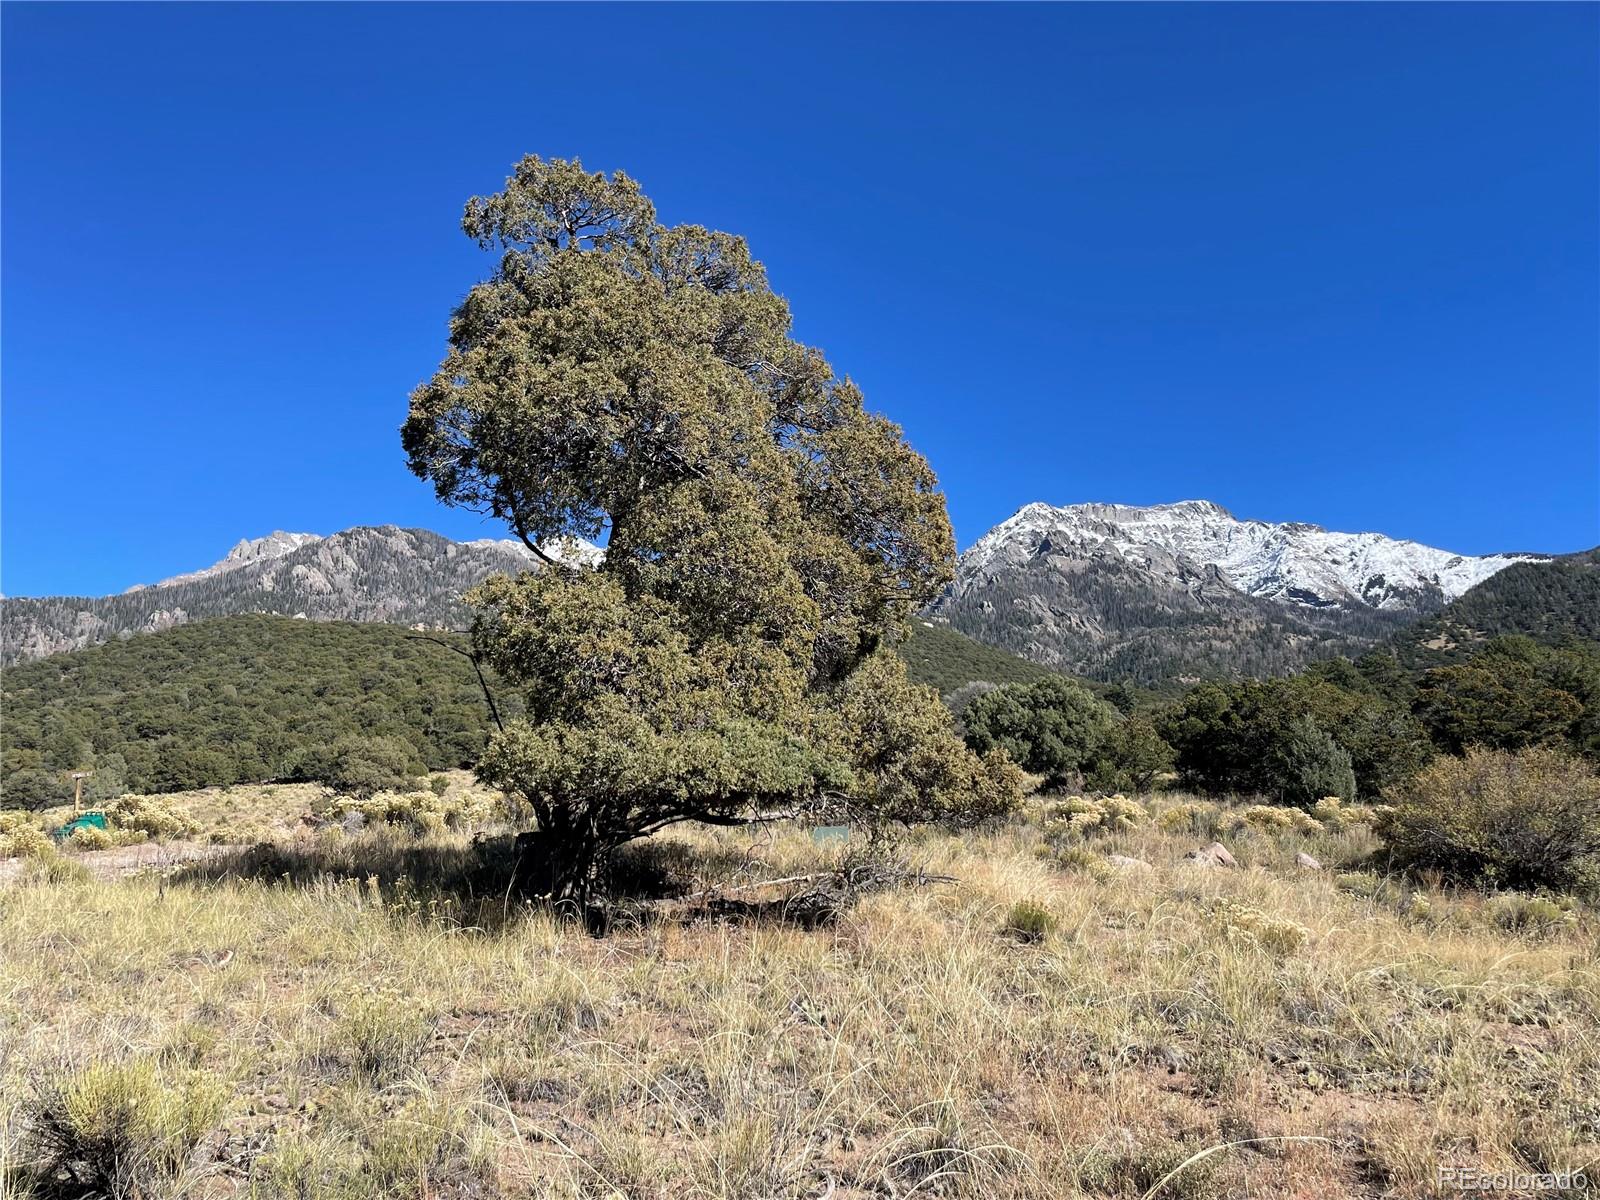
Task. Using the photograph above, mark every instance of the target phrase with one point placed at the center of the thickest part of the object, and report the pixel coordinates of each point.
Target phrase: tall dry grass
(1190, 1032)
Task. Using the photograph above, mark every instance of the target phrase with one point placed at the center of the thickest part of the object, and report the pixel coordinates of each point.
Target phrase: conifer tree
(766, 536)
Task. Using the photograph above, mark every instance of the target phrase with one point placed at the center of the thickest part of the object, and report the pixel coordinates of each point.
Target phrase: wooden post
(77, 790)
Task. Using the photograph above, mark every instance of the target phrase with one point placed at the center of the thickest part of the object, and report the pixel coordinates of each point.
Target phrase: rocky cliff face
(1180, 591)
(372, 573)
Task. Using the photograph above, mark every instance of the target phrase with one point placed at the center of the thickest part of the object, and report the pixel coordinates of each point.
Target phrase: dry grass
(1343, 1034)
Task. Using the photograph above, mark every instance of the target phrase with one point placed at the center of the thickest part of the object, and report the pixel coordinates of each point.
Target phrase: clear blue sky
(1330, 263)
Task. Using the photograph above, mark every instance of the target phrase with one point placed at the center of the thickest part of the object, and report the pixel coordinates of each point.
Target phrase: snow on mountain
(575, 552)
(1293, 563)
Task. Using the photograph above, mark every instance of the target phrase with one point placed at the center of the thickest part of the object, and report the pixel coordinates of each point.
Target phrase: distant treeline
(249, 698)
(233, 700)
(1357, 729)
(1515, 662)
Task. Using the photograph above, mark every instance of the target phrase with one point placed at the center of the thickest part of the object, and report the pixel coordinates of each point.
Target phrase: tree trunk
(565, 865)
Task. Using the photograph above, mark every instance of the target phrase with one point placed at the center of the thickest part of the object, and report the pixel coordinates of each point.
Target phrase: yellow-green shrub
(1075, 816)
(1191, 816)
(127, 1126)
(21, 838)
(1272, 819)
(147, 815)
(421, 812)
(1335, 814)
(90, 837)
(1242, 923)
(1525, 819)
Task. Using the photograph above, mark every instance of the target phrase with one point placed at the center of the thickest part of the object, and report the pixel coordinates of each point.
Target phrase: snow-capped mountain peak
(1293, 563)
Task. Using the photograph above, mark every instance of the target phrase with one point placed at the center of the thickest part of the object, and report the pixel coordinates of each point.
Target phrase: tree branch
(472, 657)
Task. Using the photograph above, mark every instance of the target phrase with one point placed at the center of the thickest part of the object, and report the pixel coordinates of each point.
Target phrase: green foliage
(946, 660)
(1526, 819)
(1029, 921)
(767, 538)
(1310, 764)
(1055, 728)
(359, 766)
(905, 759)
(235, 700)
(1554, 603)
(1514, 693)
(1135, 756)
(126, 1128)
(1293, 740)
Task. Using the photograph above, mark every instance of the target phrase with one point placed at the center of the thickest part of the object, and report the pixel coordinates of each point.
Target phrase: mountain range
(1154, 595)
(369, 573)
(1181, 591)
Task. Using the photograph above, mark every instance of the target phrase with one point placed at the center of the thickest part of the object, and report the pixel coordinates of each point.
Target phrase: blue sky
(1335, 263)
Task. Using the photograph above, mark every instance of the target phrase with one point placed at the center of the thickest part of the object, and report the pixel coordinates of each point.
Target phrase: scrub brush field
(1062, 1005)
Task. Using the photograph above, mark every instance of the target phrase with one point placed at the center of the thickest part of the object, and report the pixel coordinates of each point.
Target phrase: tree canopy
(766, 536)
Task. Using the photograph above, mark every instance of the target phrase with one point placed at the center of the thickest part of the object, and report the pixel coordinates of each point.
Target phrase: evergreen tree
(1055, 728)
(767, 538)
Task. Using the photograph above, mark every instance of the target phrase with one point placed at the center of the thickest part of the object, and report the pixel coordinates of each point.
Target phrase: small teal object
(823, 834)
(88, 820)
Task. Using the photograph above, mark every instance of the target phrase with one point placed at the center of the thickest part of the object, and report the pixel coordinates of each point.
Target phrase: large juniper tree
(766, 537)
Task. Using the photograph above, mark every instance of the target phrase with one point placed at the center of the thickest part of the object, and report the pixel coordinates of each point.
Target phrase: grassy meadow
(373, 1014)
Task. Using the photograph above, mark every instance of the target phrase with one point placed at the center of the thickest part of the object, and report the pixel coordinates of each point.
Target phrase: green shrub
(1525, 819)
(360, 767)
(1055, 727)
(1519, 913)
(124, 1128)
(1312, 764)
(1029, 921)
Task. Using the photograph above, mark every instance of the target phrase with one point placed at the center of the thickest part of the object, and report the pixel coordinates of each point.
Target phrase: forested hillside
(939, 656)
(232, 700)
(1549, 602)
(246, 698)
